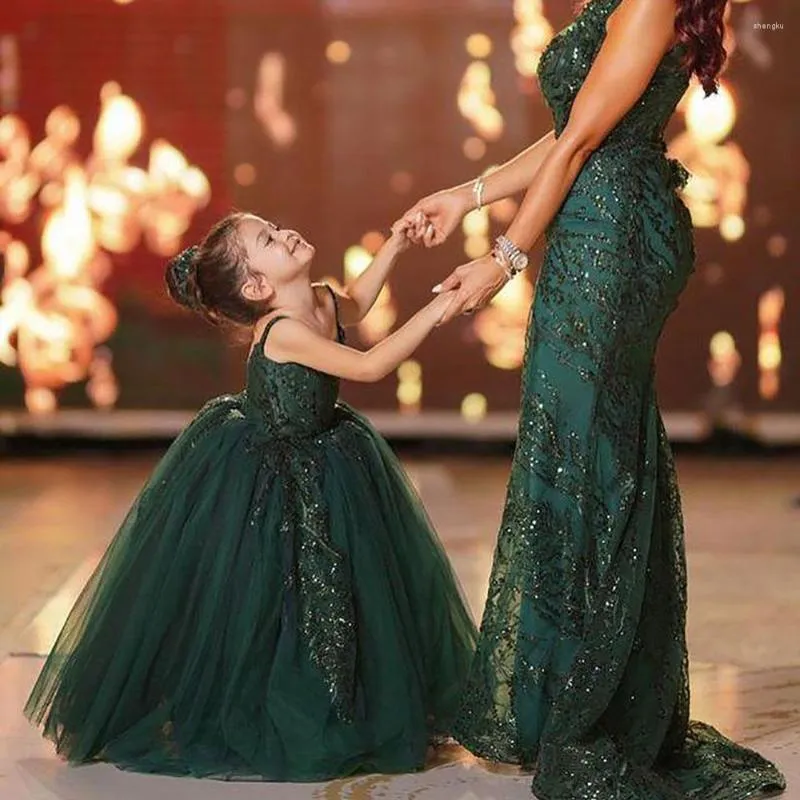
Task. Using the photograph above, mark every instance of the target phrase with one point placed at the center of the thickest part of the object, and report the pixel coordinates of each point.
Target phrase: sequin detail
(293, 410)
(581, 670)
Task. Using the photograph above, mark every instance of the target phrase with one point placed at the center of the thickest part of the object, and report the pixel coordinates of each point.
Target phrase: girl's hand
(435, 217)
(401, 235)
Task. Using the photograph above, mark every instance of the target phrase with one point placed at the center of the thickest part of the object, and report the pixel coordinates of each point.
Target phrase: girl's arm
(360, 295)
(292, 341)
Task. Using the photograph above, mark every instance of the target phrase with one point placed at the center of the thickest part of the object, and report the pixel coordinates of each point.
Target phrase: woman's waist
(617, 157)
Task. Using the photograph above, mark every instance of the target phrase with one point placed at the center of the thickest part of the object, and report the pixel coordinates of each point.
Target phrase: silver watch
(516, 260)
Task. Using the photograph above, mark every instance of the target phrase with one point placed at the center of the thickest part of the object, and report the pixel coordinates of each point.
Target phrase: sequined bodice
(565, 64)
(287, 400)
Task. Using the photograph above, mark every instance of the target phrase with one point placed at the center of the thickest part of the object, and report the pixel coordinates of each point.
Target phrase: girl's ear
(257, 288)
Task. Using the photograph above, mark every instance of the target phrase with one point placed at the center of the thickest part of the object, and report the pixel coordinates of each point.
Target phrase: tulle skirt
(270, 608)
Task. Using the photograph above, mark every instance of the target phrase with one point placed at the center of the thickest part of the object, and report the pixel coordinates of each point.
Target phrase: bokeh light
(383, 315)
(474, 148)
(501, 326)
(409, 387)
(770, 311)
(474, 407)
(725, 360)
(475, 226)
(244, 174)
(731, 227)
(53, 317)
(236, 98)
(268, 102)
(530, 36)
(479, 45)
(777, 246)
(716, 193)
(338, 52)
(401, 182)
(476, 101)
(372, 241)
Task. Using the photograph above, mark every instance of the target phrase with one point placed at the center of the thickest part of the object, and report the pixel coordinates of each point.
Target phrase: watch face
(520, 261)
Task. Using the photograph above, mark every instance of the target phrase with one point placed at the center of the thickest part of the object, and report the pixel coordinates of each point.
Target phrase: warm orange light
(474, 148)
(52, 315)
(530, 35)
(401, 182)
(338, 52)
(244, 174)
(473, 407)
(383, 315)
(502, 325)
(268, 102)
(479, 45)
(409, 387)
(68, 241)
(777, 246)
(372, 241)
(770, 311)
(724, 361)
(717, 191)
(476, 101)
(120, 127)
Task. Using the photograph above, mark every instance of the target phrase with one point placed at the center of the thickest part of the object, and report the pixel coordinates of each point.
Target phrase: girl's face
(275, 256)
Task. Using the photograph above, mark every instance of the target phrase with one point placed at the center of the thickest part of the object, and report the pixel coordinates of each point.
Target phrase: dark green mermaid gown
(581, 665)
(275, 605)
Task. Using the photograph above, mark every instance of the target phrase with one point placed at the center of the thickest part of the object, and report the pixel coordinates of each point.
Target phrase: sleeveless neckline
(258, 347)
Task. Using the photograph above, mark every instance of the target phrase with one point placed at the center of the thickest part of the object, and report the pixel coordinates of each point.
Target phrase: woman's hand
(436, 216)
(475, 284)
(440, 305)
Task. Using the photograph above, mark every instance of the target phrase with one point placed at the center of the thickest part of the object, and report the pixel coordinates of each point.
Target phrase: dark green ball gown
(276, 604)
(581, 664)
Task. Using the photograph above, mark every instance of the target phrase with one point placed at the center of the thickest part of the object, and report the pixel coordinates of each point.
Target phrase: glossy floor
(743, 538)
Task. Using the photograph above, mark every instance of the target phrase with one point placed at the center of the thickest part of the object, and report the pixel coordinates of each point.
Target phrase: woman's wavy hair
(700, 29)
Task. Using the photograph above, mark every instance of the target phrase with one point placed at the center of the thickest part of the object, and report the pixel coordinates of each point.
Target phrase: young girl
(276, 604)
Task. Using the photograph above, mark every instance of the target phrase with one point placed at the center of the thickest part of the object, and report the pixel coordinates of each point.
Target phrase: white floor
(743, 538)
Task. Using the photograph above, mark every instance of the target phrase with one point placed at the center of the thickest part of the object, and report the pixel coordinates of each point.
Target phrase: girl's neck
(298, 299)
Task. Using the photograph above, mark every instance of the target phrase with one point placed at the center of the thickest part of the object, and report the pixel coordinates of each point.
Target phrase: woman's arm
(292, 341)
(512, 177)
(639, 34)
(360, 295)
(443, 210)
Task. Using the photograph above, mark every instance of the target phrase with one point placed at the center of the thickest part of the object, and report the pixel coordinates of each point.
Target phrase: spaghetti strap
(339, 327)
(267, 328)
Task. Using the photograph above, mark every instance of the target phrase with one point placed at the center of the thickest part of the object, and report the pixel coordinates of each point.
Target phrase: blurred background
(127, 128)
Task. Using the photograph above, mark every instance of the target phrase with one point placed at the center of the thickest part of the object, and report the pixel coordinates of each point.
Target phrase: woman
(581, 665)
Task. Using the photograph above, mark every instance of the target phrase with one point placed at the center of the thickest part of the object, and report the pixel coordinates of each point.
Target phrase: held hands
(435, 217)
(473, 286)
(440, 305)
(430, 222)
(401, 237)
